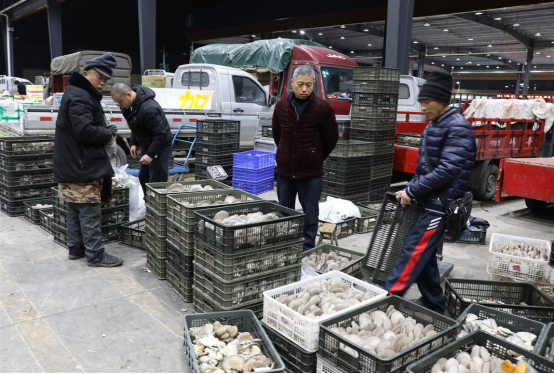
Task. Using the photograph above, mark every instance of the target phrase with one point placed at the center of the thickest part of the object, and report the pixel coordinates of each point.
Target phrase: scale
(217, 172)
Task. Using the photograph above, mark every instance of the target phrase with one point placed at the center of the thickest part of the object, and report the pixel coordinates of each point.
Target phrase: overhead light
(294, 31)
(478, 13)
(432, 63)
(517, 18)
(366, 29)
(461, 67)
(320, 33)
(500, 58)
(488, 55)
(498, 67)
(469, 38)
(279, 38)
(458, 59)
(506, 87)
(446, 30)
(470, 62)
(438, 47)
(415, 42)
(538, 53)
(534, 67)
(369, 45)
(426, 24)
(342, 37)
(442, 64)
(516, 24)
(538, 34)
(497, 18)
(548, 56)
(351, 51)
(490, 45)
(538, 31)
(518, 63)
(443, 56)
(330, 47)
(302, 32)
(478, 64)
(488, 66)
(342, 26)
(253, 35)
(509, 60)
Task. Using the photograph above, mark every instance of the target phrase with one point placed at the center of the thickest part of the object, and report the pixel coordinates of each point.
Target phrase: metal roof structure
(496, 39)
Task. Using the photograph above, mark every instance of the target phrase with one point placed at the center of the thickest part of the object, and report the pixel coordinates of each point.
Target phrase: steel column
(147, 34)
(518, 82)
(398, 35)
(7, 42)
(527, 77)
(421, 64)
(55, 28)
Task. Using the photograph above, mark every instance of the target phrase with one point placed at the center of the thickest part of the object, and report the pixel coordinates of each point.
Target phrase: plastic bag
(136, 195)
(337, 210)
(307, 272)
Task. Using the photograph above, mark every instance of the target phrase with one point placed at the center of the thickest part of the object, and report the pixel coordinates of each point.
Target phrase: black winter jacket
(147, 122)
(303, 142)
(81, 133)
(452, 151)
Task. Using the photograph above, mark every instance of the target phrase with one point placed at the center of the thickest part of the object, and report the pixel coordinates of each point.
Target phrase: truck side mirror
(272, 101)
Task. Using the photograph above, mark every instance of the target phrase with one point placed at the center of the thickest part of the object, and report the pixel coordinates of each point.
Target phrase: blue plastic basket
(254, 175)
(253, 160)
(255, 188)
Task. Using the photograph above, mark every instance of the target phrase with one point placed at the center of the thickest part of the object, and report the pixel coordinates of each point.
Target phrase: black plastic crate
(389, 236)
(355, 148)
(26, 178)
(207, 160)
(375, 86)
(110, 216)
(20, 193)
(203, 304)
(200, 172)
(32, 213)
(371, 73)
(233, 239)
(230, 268)
(16, 208)
(332, 346)
(366, 223)
(26, 145)
(132, 233)
(353, 198)
(352, 268)
(496, 347)
(27, 163)
(217, 126)
(296, 358)
(157, 266)
(469, 237)
(344, 228)
(47, 220)
(181, 263)
(357, 163)
(180, 283)
(208, 139)
(372, 135)
(347, 177)
(219, 150)
(373, 111)
(373, 124)
(344, 189)
(460, 293)
(267, 132)
(374, 99)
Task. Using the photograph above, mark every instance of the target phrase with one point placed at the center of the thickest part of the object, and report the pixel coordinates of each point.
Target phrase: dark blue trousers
(158, 170)
(418, 262)
(309, 193)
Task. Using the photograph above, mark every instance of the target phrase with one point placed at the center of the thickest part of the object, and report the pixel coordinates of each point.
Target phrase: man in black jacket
(21, 88)
(81, 165)
(149, 129)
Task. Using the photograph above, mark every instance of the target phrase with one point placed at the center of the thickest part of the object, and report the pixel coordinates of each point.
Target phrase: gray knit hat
(103, 64)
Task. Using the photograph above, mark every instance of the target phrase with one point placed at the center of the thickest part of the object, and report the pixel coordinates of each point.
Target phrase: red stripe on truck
(45, 118)
(114, 119)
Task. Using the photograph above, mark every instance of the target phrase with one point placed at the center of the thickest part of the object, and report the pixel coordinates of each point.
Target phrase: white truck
(8, 84)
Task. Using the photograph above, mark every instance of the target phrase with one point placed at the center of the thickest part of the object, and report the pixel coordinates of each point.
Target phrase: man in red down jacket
(305, 132)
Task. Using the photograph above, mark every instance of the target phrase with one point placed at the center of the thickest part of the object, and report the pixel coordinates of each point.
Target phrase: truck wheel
(120, 157)
(535, 205)
(487, 185)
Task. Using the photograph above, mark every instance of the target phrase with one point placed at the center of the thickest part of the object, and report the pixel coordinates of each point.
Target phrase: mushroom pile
(521, 249)
(472, 323)
(230, 199)
(324, 262)
(491, 301)
(244, 219)
(315, 302)
(384, 333)
(42, 206)
(223, 349)
(478, 361)
(180, 188)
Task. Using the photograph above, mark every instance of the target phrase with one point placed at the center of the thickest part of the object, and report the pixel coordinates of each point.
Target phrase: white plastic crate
(520, 268)
(324, 366)
(298, 328)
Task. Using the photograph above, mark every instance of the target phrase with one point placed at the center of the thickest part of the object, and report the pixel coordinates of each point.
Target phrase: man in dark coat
(451, 150)
(149, 129)
(21, 88)
(81, 163)
(305, 132)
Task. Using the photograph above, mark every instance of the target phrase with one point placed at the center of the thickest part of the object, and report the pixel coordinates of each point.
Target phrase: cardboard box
(153, 81)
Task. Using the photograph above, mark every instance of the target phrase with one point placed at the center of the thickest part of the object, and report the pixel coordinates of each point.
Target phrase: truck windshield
(337, 82)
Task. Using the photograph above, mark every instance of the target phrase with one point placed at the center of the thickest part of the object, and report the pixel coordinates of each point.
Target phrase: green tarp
(262, 55)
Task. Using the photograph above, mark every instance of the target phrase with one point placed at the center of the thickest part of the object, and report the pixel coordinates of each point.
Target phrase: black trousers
(309, 193)
(158, 170)
(84, 230)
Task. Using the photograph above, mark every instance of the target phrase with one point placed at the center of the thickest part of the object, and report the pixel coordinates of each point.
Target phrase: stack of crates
(158, 228)
(235, 265)
(361, 167)
(26, 172)
(113, 215)
(254, 171)
(216, 142)
(180, 233)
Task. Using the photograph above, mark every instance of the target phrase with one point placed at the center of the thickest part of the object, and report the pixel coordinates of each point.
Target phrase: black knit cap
(103, 64)
(438, 87)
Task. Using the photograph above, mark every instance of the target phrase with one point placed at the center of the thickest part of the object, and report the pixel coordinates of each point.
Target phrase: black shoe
(107, 261)
(76, 253)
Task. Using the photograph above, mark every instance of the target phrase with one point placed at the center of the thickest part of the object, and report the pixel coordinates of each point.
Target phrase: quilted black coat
(303, 142)
(452, 150)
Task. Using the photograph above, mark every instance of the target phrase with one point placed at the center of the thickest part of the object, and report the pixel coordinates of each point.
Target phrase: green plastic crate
(246, 321)
(459, 293)
(496, 346)
(366, 223)
(157, 266)
(47, 220)
(179, 283)
(354, 265)
(133, 233)
(181, 238)
(543, 341)
(203, 304)
(156, 245)
(157, 201)
(33, 214)
(234, 267)
(156, 224)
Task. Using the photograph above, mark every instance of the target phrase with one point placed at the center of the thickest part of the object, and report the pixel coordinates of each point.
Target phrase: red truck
(521, 138)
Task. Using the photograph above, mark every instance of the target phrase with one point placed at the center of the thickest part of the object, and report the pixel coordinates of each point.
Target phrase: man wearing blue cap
(449, 142)
(82, 147)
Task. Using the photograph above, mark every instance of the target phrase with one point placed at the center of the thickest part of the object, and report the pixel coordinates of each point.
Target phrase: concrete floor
(58, 315)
